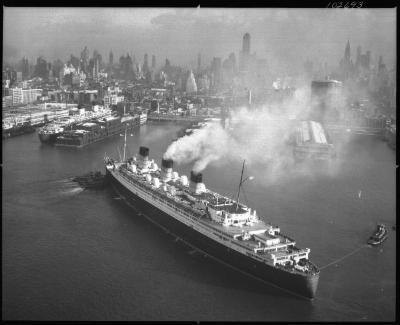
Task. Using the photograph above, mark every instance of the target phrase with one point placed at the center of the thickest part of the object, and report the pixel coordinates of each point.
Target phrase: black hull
(100, 137)
(295, 283)
(18, 131)
(48, 138)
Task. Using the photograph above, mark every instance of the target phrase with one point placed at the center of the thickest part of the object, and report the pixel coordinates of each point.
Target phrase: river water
(74, 254)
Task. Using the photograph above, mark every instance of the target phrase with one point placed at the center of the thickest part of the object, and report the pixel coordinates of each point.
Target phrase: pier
(178, 118)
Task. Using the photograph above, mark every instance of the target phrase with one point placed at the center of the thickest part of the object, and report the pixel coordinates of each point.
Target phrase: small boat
(91, 180)
(379, 235)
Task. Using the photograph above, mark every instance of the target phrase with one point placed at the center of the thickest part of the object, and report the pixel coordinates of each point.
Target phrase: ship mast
(240, 184)
(126, 126)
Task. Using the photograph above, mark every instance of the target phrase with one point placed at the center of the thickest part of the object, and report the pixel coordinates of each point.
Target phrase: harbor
(199, 164)
(47, 185)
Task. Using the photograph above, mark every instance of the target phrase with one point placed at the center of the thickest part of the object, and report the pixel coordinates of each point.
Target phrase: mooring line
(343, 257)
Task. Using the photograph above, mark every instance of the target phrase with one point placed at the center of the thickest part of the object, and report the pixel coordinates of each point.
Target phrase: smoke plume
(262, 137)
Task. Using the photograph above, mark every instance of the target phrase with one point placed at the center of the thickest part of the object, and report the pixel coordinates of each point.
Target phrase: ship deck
(186, 205)
(233, 234)
(237, 230)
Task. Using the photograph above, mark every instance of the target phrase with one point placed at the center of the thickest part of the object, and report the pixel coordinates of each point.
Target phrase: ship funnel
(196, 177)
(166, 169)
(143, 159)
(144, 151)
(196, 182)
(167, 163)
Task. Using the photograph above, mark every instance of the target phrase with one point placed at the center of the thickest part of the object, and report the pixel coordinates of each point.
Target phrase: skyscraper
(347, 51)
(146, 63)
(111, 58)
(25, 68)
(246, 44)
(346, 65)
(358, 59)
(85, 59)
(153, 62)
(245, 55)
(41, 68)
(216, 72)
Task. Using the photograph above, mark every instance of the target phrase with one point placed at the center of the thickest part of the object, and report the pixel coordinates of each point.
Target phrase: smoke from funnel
(259, 136)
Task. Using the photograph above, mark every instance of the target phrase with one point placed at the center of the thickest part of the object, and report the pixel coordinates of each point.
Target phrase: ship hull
(295, 283)
(82, 142)
(15, 131)
(48, 138)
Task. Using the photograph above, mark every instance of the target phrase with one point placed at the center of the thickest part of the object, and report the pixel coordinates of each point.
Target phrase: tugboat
(92, 180)
(379, 236)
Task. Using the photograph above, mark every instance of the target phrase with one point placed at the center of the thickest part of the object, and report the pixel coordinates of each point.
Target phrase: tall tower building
(146, 63)
(111, 58)
(246, 44)
(25, 68)
(347, 51)
(96, 67)
(85, 58)
(358, 59)
(346, 65)
(153, 62)
(245, 55)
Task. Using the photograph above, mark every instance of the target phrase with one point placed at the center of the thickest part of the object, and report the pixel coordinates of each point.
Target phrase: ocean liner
(50, 132)
(97, 130)
(221, 227)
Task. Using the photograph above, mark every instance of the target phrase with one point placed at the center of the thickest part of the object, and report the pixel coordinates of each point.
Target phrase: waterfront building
(110, 100)
(326, 102)
(16, 94)
(203, 82)
(86, 97)
(7, 101)
(30, 95)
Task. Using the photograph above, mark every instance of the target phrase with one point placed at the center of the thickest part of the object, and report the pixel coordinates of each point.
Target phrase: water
(74, 254)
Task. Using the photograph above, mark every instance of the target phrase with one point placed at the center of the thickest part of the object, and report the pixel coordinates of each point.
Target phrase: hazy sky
(287, 36)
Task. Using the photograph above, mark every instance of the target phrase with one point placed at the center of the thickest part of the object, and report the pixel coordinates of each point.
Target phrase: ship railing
(310, 269)
(286, 253)
(285, 237)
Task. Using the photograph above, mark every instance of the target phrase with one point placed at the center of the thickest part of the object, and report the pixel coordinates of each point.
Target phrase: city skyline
(180, 34)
